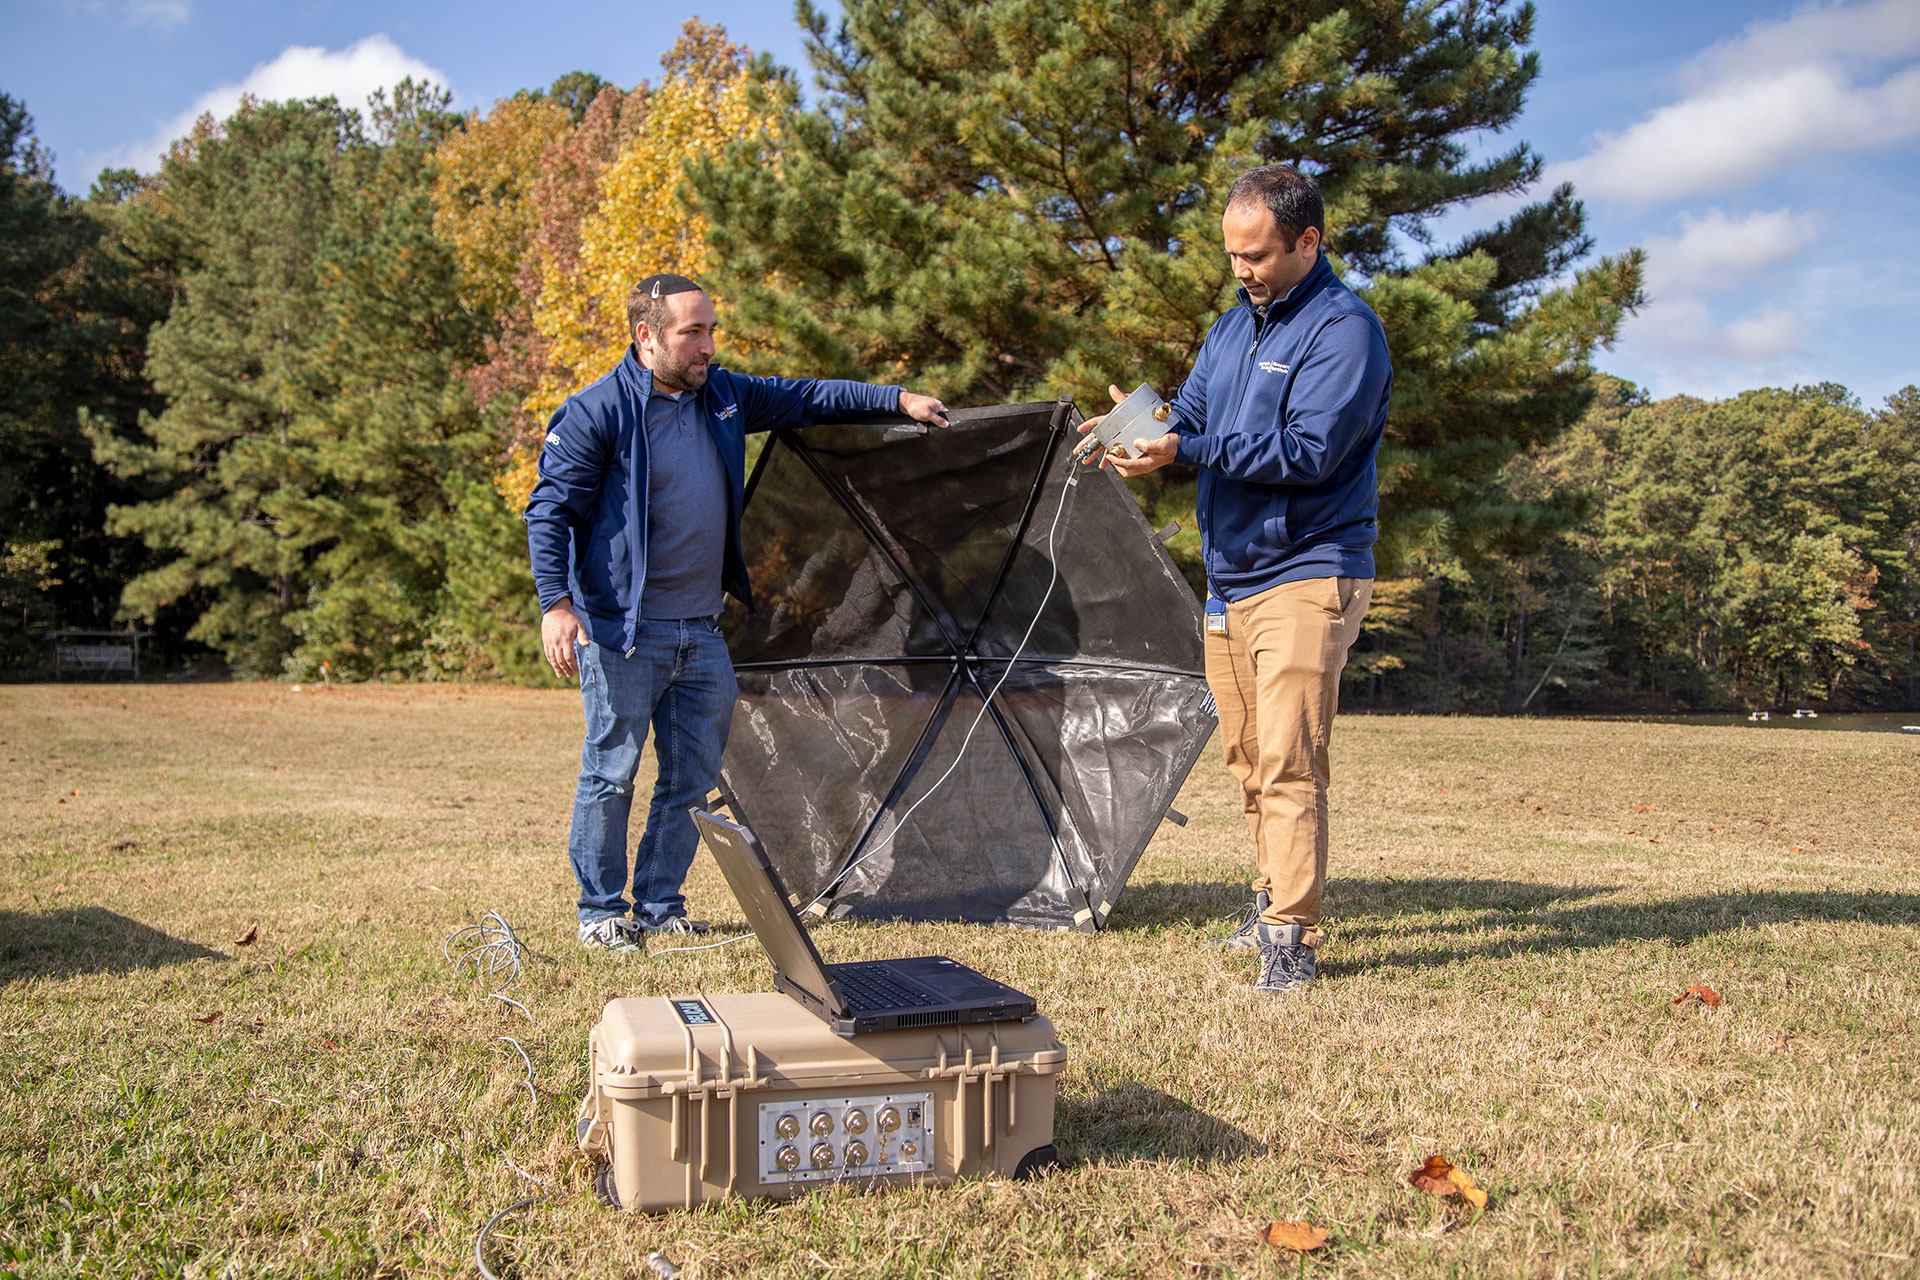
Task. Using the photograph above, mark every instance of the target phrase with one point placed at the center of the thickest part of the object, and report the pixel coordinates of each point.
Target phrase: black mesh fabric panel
(896, 570)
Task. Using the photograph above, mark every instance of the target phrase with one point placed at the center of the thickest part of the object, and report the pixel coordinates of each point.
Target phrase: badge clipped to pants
(1216, 616)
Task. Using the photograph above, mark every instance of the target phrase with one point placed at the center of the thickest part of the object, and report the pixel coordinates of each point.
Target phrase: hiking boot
(1285, 968)
(615, 933)
(673, 927)
(1248, 920)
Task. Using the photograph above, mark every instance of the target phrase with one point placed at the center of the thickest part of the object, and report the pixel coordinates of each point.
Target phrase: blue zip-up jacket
(587, 515)
(1284, 417)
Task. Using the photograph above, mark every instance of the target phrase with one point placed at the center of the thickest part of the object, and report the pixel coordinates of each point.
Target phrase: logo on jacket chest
(1274, 366)
(727, 412)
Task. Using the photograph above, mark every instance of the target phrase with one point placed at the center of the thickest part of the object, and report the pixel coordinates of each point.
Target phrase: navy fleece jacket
(587, 516)
(1283, 416)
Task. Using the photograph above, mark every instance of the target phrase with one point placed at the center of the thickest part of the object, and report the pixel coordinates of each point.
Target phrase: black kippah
(664, 284)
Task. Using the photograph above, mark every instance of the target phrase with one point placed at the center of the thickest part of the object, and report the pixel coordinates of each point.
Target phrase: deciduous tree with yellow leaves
(552, 204)
(641, 224)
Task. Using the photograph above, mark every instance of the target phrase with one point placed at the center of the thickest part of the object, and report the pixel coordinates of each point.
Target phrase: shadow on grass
(1209, 903)
(1465, 919)
(1167, 902)
(1138, 1122)
(75, 940)
(1458, 919)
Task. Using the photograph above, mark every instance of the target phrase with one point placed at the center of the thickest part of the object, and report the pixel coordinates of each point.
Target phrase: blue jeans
(680, 681)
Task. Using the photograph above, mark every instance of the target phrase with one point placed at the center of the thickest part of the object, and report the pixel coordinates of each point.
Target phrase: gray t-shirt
(686, 511)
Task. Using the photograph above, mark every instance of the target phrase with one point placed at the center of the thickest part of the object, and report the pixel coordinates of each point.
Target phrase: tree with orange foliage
(640, 224)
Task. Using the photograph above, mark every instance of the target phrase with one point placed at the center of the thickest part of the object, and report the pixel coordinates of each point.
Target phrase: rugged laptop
(859, 997)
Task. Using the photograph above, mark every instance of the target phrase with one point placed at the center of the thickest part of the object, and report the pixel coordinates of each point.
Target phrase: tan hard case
(697, 1098)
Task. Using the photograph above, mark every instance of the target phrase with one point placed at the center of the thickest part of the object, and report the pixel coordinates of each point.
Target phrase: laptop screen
(757, 885)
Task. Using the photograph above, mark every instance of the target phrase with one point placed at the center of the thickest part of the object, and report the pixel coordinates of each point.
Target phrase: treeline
(283, 398)
(1759, 551)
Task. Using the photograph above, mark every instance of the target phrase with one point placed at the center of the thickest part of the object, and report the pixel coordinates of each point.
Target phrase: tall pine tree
(397, 440)
(245, 207)
(1022, 198)
(74, 315)
(316, 440)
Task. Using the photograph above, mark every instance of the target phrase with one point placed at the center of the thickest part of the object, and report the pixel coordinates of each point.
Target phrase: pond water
(1852, 721)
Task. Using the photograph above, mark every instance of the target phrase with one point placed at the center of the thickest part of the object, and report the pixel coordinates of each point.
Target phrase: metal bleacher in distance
(97, 653)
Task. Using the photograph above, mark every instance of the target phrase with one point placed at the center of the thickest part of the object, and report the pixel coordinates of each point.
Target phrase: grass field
(1514, 905)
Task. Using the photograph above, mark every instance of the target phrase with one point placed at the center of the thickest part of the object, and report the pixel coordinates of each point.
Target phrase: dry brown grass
(1514, 905)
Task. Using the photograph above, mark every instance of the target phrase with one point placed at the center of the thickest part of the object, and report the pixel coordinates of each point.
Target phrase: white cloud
(1716, 253)
(1780, 94)
(141, 13)
(300, 71)
(158, 13)
(1878, 32)
(1686, 327)
(1740, 132)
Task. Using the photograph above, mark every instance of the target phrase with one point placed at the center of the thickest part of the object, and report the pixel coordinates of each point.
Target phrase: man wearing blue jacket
(1282, 415)
(634, 532)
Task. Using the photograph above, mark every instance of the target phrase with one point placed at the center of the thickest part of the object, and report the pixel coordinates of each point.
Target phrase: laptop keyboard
(872, 987)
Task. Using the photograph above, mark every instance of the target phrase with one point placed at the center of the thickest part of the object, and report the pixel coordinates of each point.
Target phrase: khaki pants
(1276, 678)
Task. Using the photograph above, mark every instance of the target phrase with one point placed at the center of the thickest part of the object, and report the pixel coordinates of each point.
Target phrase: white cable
(532, 1097)
(986, 704)
(538, 1182)
(1072, 482)
(704, 946)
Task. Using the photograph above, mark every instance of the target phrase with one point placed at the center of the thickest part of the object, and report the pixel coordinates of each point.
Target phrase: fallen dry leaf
(1303, 1237)
(1431, 1177)
(1469, 1189)
(1439, 1177)
(248, 938)
(207, 1017)
(1705, 995)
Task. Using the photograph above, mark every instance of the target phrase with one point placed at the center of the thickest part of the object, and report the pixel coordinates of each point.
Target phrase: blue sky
(1767, 155)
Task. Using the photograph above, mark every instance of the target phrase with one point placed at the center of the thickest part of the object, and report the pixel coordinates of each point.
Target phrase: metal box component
(697, 1098)
(1143, 415)
(854, 1140)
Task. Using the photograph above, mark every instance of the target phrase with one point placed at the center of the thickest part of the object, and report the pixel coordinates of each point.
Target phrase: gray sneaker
(1248, 922)
(1285, 968)
(615, 933)
(672, 927)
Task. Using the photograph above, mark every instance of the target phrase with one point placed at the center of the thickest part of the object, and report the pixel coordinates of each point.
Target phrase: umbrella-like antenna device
(955, 704)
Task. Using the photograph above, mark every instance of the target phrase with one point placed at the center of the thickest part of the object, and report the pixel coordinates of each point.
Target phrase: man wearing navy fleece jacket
(634, 532)
(1282, 415)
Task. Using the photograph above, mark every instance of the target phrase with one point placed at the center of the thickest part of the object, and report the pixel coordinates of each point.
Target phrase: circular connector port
(787, 1126)
(908, 1150)
(856, 1121)
(888, 1119)
(787, 1157)
(821, 1124)
(821, 1155)
(856, 1153)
